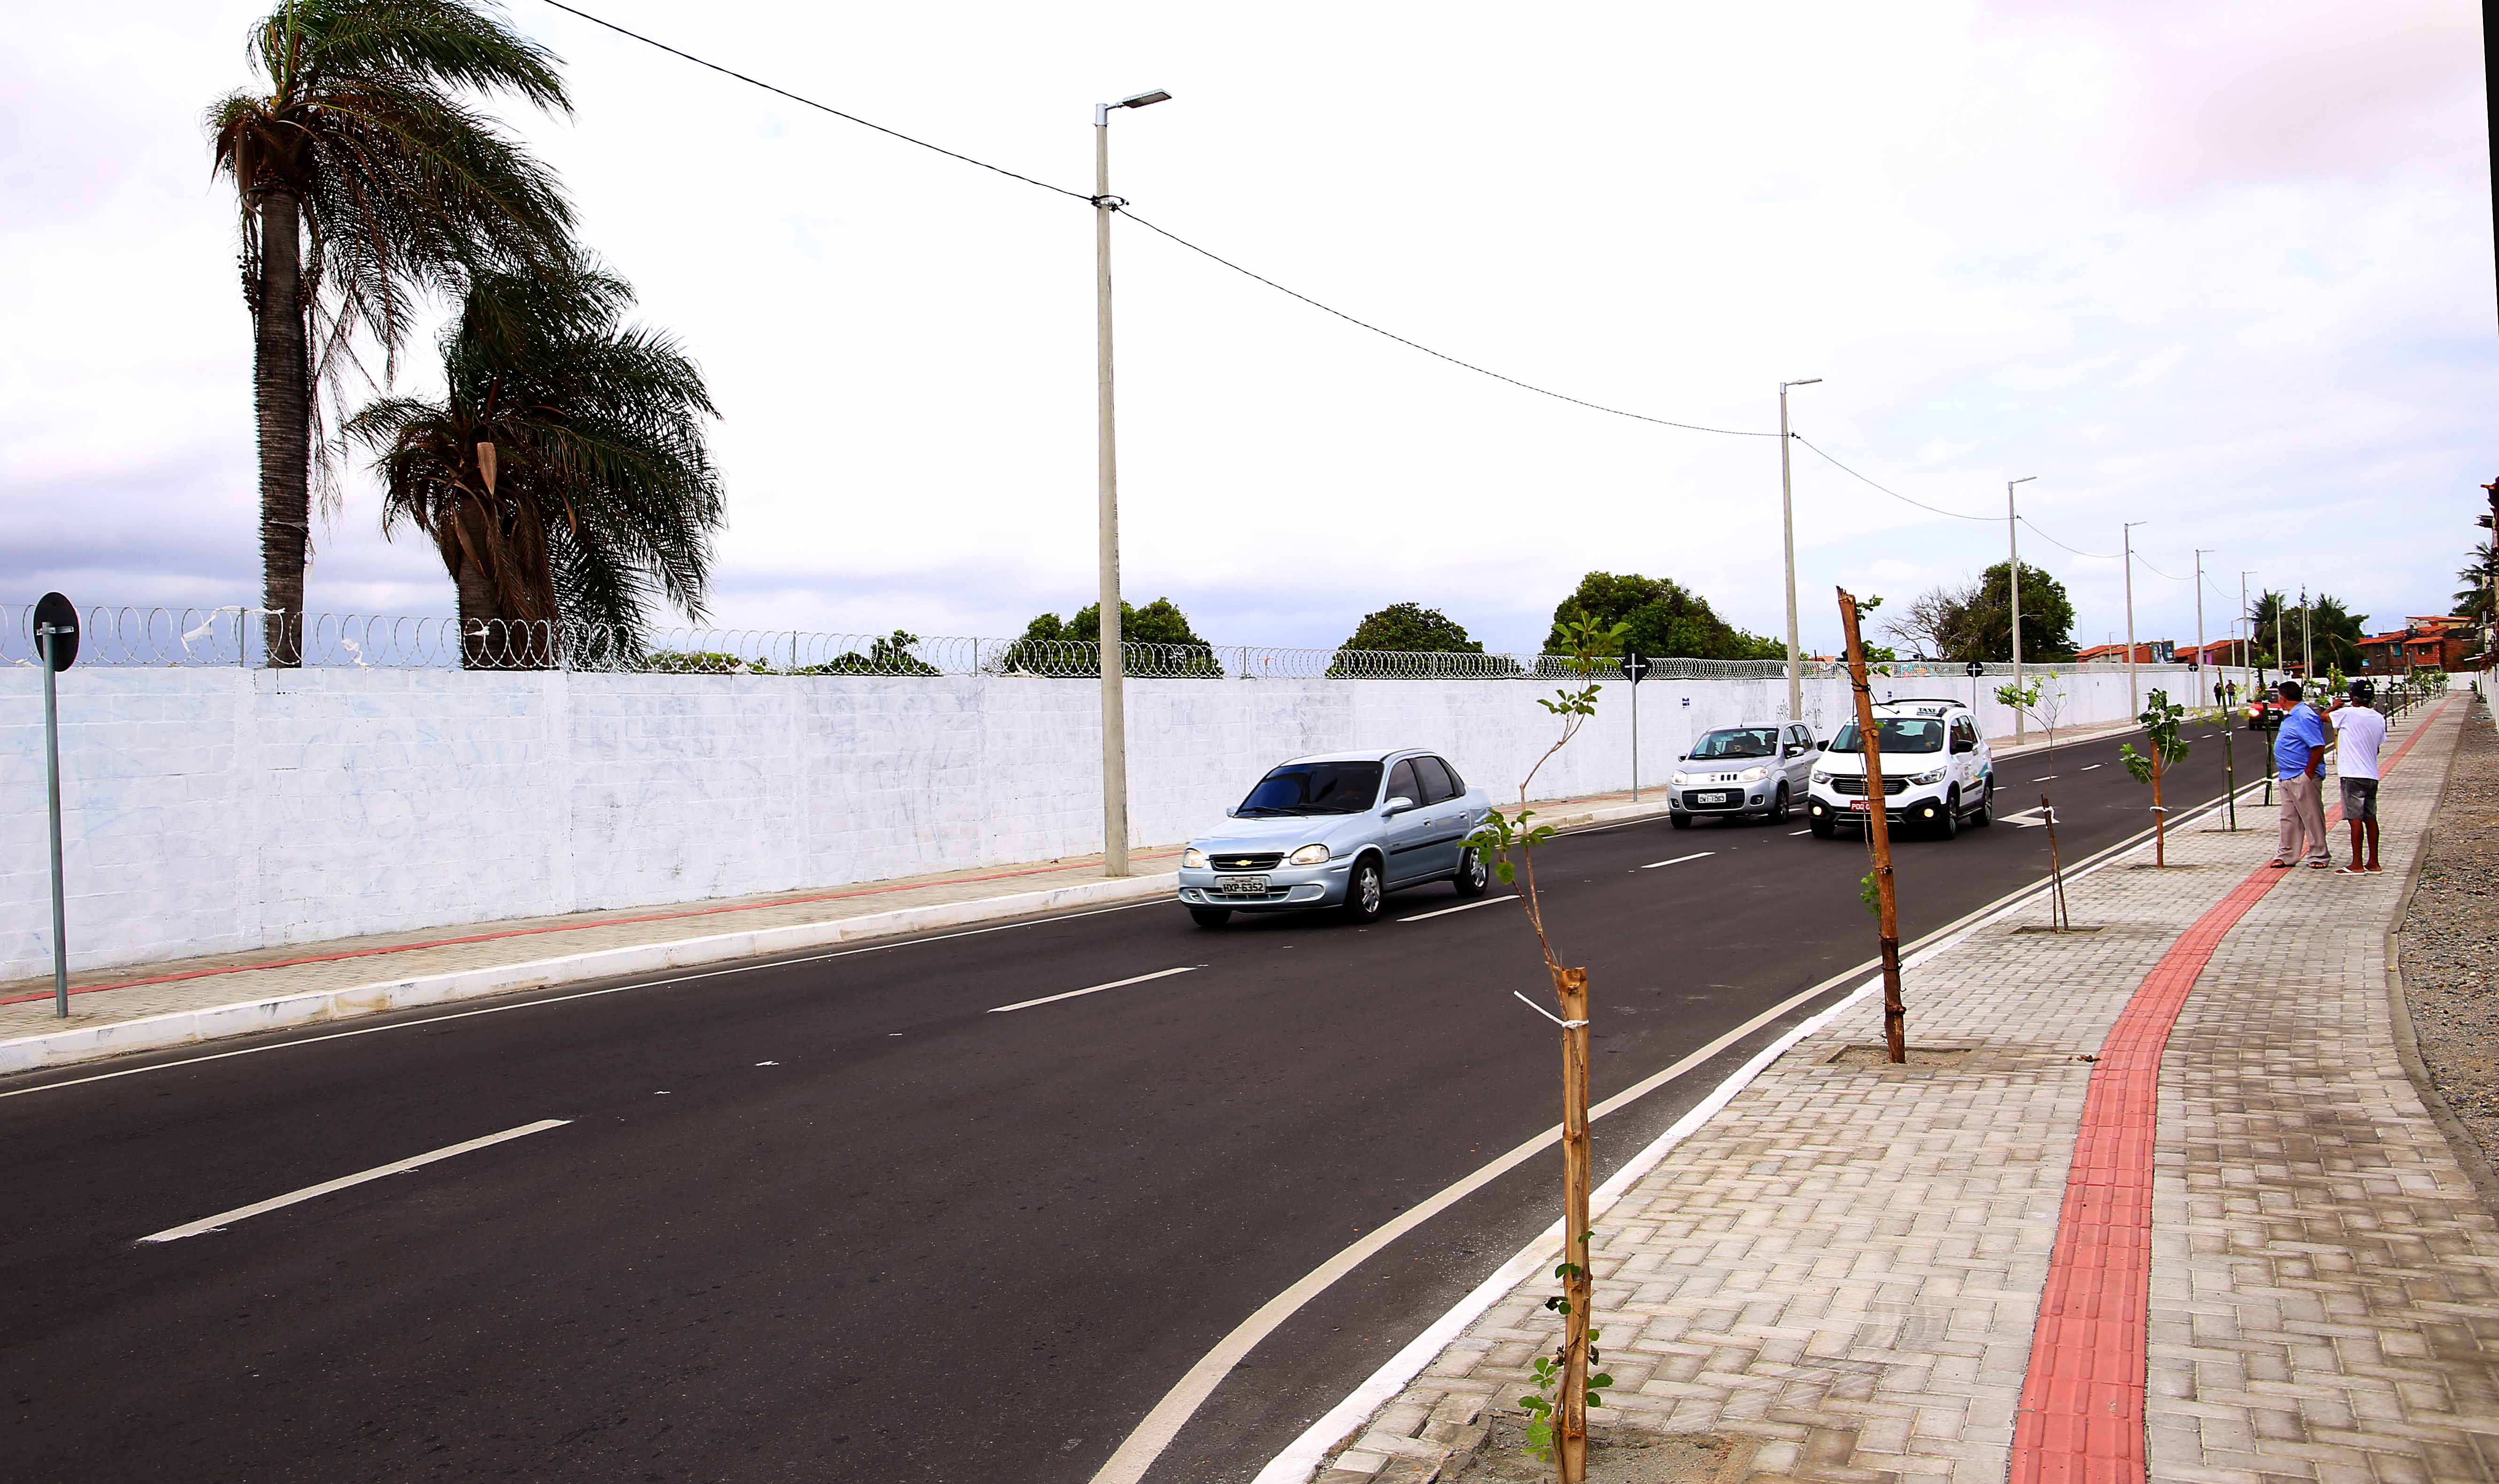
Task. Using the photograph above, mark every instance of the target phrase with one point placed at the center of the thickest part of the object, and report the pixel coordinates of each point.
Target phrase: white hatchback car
(1937, 771)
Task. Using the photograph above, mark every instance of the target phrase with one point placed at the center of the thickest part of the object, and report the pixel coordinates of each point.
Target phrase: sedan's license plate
(1859, 806)
(1241, 886)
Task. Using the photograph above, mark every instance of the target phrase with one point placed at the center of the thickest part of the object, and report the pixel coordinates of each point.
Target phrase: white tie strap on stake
(1546, 1014)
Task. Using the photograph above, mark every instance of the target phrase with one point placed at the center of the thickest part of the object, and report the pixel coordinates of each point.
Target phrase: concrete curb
(284, 1012)
(245, 1017)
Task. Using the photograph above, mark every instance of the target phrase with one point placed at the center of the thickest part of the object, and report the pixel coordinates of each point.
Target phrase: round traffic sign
(59, 614)
(1975, 669)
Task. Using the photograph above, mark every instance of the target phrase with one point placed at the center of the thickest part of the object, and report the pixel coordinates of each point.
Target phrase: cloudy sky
(2222, 268)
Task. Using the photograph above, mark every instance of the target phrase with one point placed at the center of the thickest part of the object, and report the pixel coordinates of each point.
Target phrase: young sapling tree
(2161, 719)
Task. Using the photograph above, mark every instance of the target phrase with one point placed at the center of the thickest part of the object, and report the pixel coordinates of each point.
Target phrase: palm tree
(365, 182)
(562, 476)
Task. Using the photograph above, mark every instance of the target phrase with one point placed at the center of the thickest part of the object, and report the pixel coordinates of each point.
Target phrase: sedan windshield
(1737, 742)
(1315, 787)
(1903, 735)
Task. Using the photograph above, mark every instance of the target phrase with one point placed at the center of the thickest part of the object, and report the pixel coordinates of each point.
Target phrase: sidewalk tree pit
(1566, 1381)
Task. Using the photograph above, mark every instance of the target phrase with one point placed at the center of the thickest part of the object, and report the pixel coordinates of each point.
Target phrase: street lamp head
(2024, 479)
(1141, 100)
(1807, 381)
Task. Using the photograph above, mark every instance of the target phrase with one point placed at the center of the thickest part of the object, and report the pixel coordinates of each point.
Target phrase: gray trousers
(2303, 818)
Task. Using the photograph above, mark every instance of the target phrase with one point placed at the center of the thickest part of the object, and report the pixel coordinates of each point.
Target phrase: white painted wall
(213, 811)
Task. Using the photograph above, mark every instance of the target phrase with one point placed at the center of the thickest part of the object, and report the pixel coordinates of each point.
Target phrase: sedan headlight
(1681, 778)
(1311, 855)
(1752, 775)
(1929, 778)
(1193, 859)
(1822, 775)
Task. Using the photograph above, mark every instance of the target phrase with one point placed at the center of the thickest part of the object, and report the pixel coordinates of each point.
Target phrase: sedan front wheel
(1366, 895)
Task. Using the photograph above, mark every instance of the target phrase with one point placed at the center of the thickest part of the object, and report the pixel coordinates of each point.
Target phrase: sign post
(1973, 670)
(1634, 667)
(56, 642)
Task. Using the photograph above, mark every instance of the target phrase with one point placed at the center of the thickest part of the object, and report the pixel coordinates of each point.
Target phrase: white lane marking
(2094, 765)
(1116, 983)
(1677, 860)
(1793, 833)
(748, 967)
(226, 1219)
(2051, 778)
(1301, 1458)
(1461, 907)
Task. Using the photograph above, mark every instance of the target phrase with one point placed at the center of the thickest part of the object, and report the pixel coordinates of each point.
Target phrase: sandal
(2282, 865)
(2352, 871)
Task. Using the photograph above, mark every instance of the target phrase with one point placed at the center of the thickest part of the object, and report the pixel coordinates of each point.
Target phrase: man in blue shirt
(2299, 763)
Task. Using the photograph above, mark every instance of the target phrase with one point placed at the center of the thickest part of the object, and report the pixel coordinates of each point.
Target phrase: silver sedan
(1337, 831)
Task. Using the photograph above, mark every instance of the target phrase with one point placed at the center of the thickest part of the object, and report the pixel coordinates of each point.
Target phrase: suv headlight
(1822, 775)
(1681, 778)
(1752, 775)
(1929, 778)
(1193, 859)
(1311, 855)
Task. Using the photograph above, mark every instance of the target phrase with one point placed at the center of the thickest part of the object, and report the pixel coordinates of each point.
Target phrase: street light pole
(1787, 535)
(2246, 626)
(2013, 586)
(2133, 695)
(2200, 655)
(1115, 700)
(2307, 648)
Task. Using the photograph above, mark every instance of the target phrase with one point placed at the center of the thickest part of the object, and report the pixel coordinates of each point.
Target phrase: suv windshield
(1315, 787)
(1737, 742)
(1896, 734)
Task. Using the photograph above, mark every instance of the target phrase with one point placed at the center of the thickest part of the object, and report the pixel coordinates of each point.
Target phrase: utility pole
(1115, 679)
(2200, 655)
(2013, 585)
(1786, 534)
(2307, 645)
(2133, 695)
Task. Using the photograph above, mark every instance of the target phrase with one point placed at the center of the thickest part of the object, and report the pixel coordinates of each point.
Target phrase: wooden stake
(2058, 918)
(1571, 1428)
(1878, 835)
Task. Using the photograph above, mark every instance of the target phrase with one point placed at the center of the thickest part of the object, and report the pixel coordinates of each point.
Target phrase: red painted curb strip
(531, 932)
(2081, 1414)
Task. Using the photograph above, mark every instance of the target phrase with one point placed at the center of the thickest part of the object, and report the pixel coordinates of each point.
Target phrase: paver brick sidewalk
(1844, 1269)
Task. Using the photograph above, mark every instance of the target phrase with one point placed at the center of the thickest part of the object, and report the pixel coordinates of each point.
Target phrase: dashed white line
(1116, 983)
(1793, 833)
(1461, 907)
(2094, 765)
(2051, 778)
(1677, 860)
(225, 1219)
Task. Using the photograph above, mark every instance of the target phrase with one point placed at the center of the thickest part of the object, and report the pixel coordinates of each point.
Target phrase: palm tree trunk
(480, 611)
(282, 404)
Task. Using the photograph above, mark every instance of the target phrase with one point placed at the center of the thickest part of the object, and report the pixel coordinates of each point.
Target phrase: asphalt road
(837, 1218)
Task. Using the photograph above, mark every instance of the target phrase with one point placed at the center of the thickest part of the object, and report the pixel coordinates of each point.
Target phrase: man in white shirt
(2359, 730)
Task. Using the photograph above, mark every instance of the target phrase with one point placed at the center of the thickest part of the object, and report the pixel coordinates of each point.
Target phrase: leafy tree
(1052, 647)
(1972, 620)
(1412, 629)
(889, 655)
(1658, 616)
(366, 181)
(564, 474)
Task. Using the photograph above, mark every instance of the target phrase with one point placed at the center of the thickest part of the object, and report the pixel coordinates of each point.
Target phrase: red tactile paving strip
(2080, 1416)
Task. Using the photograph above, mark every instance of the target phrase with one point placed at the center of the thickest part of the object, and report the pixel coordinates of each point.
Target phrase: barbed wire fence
(235, 637)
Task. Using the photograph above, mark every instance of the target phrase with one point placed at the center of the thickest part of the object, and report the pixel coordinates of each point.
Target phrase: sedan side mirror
(1397, 805)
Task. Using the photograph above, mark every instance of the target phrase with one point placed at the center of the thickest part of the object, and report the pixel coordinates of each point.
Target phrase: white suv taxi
(1936, 770)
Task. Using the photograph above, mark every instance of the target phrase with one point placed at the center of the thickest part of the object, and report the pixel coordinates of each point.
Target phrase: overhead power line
(1741, 432)
(1885, 488)
(2158, 572)
(821, 108)
(2095, 555)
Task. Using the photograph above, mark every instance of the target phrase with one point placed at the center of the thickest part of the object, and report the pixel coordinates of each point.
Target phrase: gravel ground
(2449, 940)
